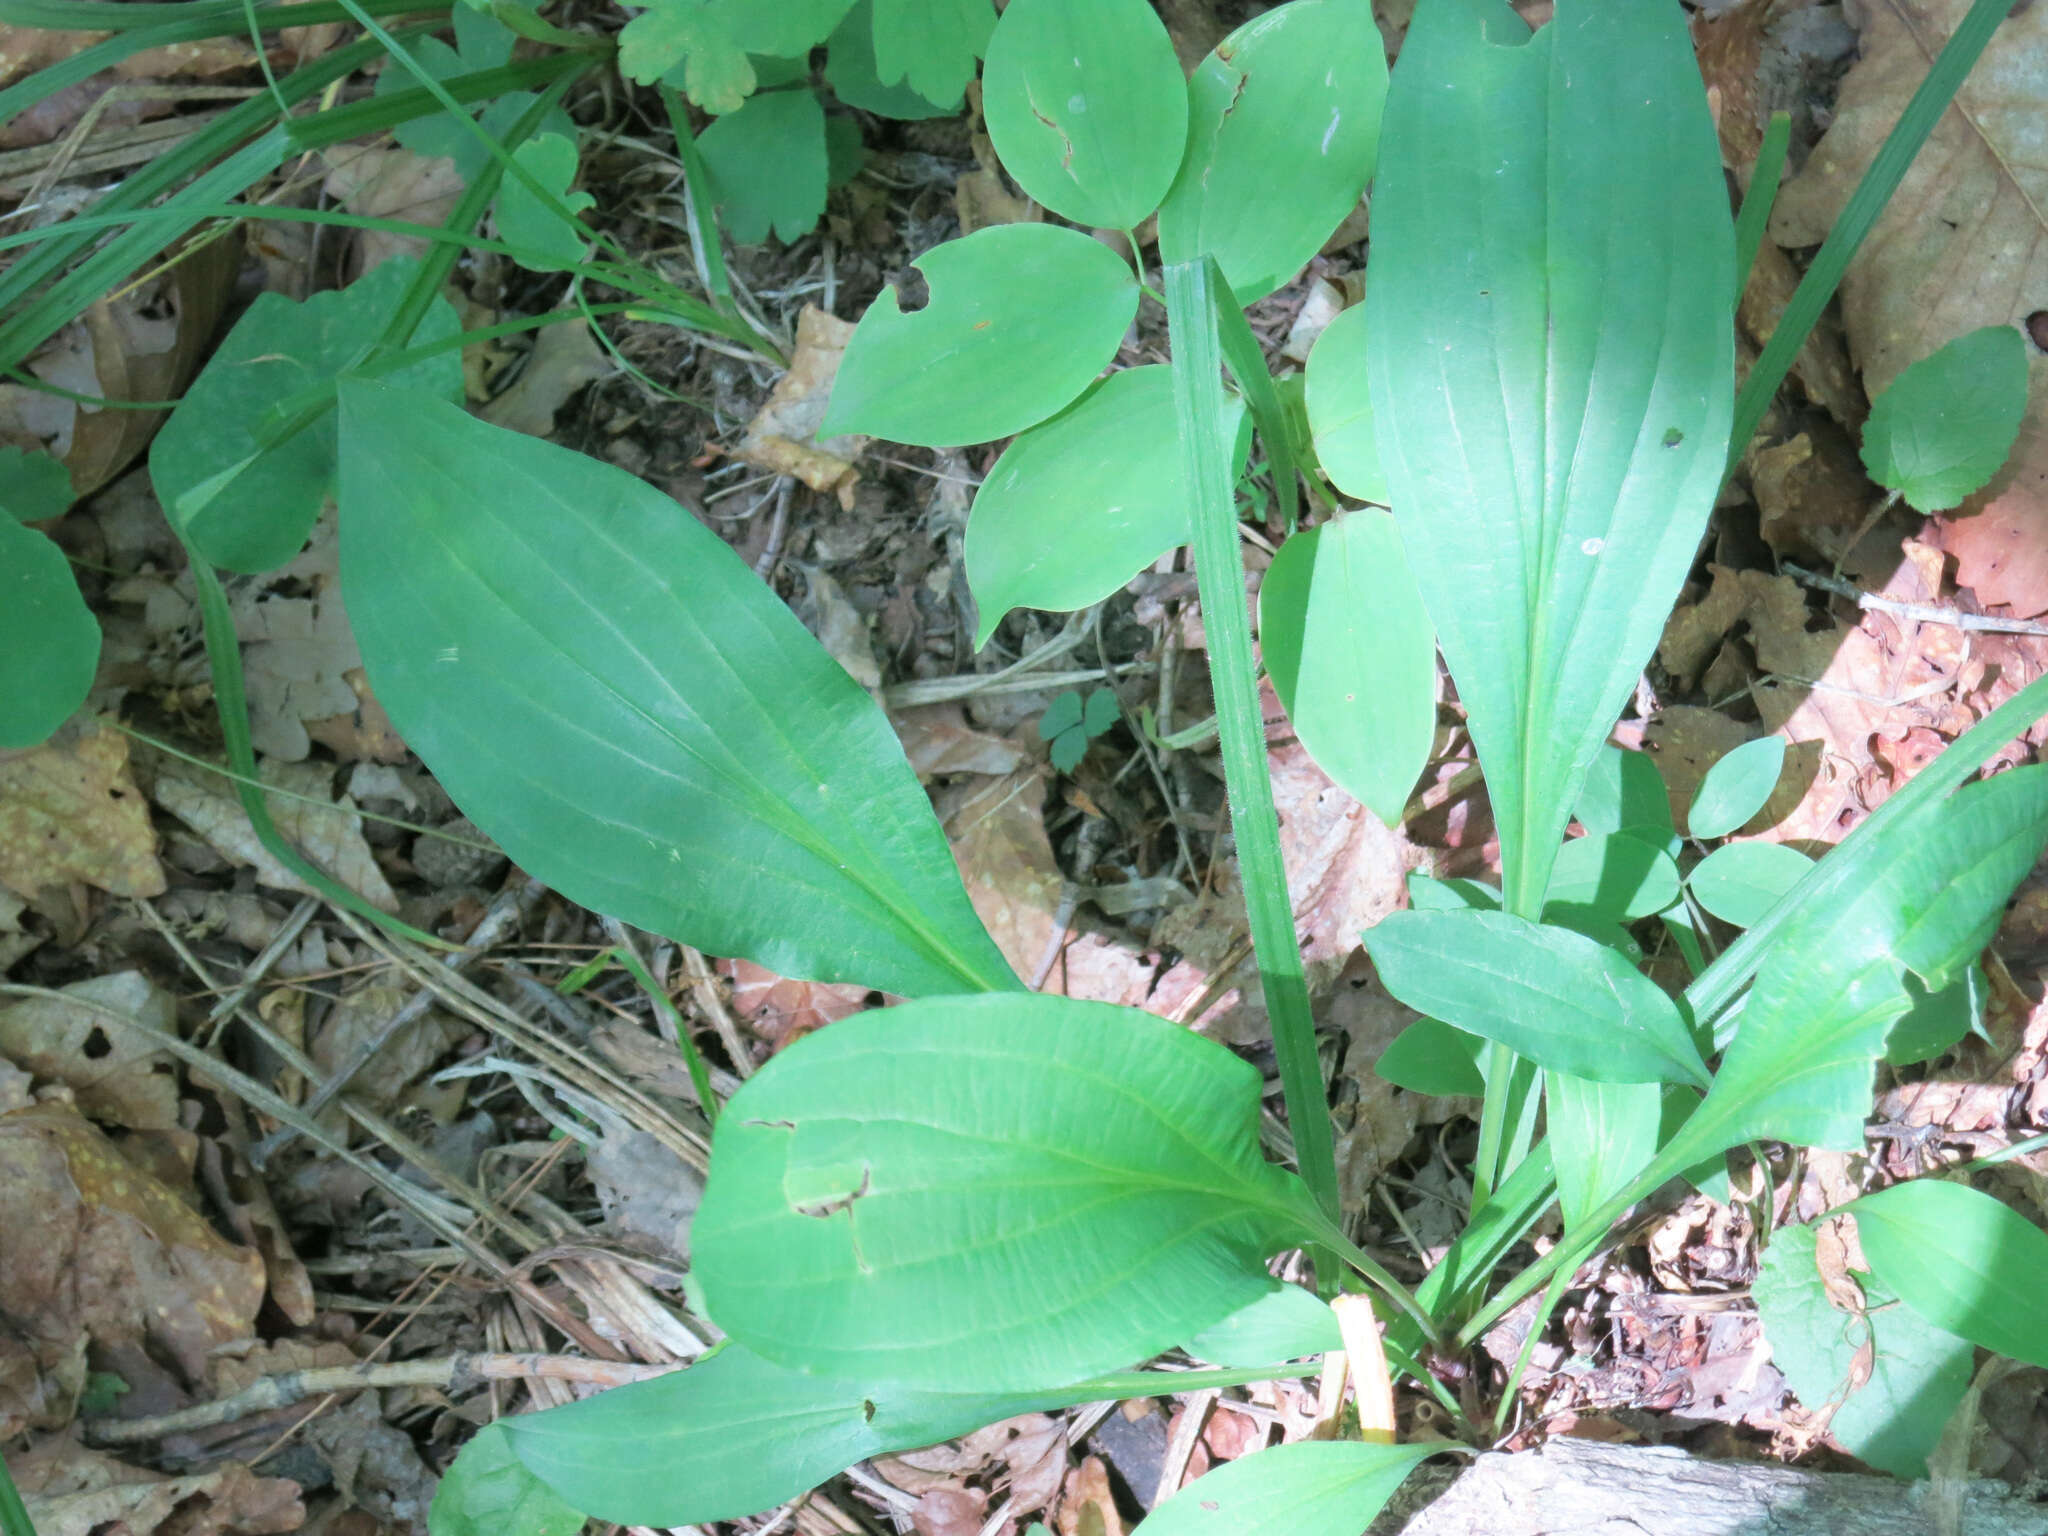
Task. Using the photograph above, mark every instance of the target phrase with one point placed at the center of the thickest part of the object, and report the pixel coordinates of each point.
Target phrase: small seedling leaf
(1283, 130)
(1087, 106)
(1061, 715)
(1109, 1155)
(1079, 505)
(1339, 397)
(1551, 995)
(546, 241)
(1021, 318)
(1431, 1057)
(612, 694)
(1736, 787)
(768, 166)
(1311, 1488)
(1740, 882)
(850, 71)
(1944, 427)
(487, 1491)
(1966, 1262)
(931, 45)
(1352, 656)
(1286, 1323)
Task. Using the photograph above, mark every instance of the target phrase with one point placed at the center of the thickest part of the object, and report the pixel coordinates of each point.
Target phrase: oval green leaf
(48, 636)
(1966, 1262)
(1340, 409)
(608, 690)
(1431, 1057)
(1352, 656)
(1944, 427)
(1740, 882)
(1625, 789)
(879, 1188)
(1736, 787)
(1021, 317)
(1546, 993)
(1086, 105)
(1283, 130)
(1311, 1488)
(1618, 877)
(487, 1491)
(1286, 1323)
(1079, 505)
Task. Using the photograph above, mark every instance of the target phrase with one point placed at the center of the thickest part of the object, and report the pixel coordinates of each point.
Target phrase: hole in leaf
(97, 1045)
(912, 291)
(2037, 328)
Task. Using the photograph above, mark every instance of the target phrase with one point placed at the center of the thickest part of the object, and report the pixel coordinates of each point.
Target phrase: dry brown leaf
(298, 653)
(95, 1245)
(73, 1491)
(330, 836)
(69, 810)
(938, 741)
(117, 1076)
(564, 359)
(1963, 244)
(391, 184)
(361, 1015)
(783, 436)
(1087, 1506)
(1345, 869)
(781, 1009)
(950, 1512)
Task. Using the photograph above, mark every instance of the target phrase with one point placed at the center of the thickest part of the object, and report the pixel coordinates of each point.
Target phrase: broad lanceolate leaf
(608, 690)
(1966, 1262)
(1312, 1488)
(1740, 882)
(1283, 130)
(1827, 992)
(1736, 787)
(49, 640)
(248, 507)
(488, 1492)
(931, 45)
(1021, 317)
(1087, 107)
(1050, 1188)
(1349, 647)
(1079, 505)
(1916, 1373)
(1552, 369)
(1944, 427)
(1340, 409)
(767, 165)
(1286, 1323)
(547, 242)
(1548, 994)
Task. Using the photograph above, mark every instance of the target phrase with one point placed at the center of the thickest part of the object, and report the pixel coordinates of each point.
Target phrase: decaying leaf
(298, 652)
(117, 1076)
(564, 360)
(391, 184)
(70, 811)
(73, 1491)
(330, 833)
(361, 1015)
(782, 1010)
(783, 436)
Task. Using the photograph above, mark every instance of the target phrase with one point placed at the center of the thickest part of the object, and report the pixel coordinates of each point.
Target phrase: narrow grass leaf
(879, 1190)
(1311, 1488)
(608, 690)
(1964, 1261)
(1736, 787)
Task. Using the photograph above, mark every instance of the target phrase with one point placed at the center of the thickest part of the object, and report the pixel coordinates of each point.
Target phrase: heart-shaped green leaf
(1021, 317)
(1079, 505)
(788, 29)
(850, 71)
(1740, 882)
(1552, 369)
(1966, 1262)
(1352, 656)
(1059, 1187)
(1944, 427)
(546, 241)
(1086, 105)
(612, 694)
(1551, 995)
(1283, 129)
(1339, 393)
(1736, 787)
(1311, 1488)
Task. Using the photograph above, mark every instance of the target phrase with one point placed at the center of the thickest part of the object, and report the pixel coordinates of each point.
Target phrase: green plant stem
(1193, 289)
(1860, 215)
(704, 241)
(1333, 1238)
(14, 1520)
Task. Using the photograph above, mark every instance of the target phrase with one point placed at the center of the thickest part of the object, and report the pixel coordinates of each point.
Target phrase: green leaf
(1021, 317)
(1068, 748)
(249, 507)
(1087, 107)
(685, 44)
(845, 153)
(1285, 1323)
(931, 45)
(1937, 1020)
(1102, 712)
(784, 30)
(1352, 656)
(1429, 1056)
(1618, 876)
(34, 487)
(1427, 894)
(1917, 1373)
(1312, 1488)
(850, 71)
(1283, 129)
(49, 639)
(1827, 992)
(1552, 370)
(1079, 505)
(1736, 788)
(1340, 409)
(1963, 1260)
(879, 1189)
(768, 166)
(547, 242)
(1548, 994)
(606, 689)
(1740, 882)
(1623, 789)
(486, 1491)
(1601, 1135)
(1944, 427)
(1061, 715)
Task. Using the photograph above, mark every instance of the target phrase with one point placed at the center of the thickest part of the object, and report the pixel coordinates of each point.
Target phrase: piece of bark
(1589, 1488)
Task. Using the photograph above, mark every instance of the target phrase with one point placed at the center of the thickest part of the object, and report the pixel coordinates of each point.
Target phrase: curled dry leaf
(782, 1010)
(69, 811)
(97, 1246)
(73, 1491)
(116, 1076)
(783, 436)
